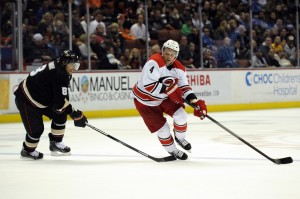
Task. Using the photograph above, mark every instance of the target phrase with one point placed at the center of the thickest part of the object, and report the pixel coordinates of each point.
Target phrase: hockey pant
(156, 122)
(32, 118)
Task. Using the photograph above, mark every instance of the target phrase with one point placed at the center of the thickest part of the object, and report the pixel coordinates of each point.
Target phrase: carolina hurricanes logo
(168, 81)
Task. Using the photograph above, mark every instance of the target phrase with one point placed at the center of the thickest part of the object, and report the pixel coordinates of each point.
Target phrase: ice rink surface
(219, 167)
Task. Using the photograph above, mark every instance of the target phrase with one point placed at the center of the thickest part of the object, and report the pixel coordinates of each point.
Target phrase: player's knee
(164, 131)
(180, 116)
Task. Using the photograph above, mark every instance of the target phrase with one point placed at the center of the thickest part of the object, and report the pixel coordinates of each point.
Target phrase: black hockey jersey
(47, 86)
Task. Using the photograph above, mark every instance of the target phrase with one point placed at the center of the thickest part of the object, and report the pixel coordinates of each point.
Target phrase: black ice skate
(184, 144)
(35, 155)
(179, 154)
(59, 149)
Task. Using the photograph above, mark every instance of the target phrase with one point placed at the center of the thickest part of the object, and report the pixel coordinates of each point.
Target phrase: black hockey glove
(79, 118)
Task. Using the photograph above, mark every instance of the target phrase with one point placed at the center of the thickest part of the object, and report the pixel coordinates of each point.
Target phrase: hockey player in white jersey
(160, 89)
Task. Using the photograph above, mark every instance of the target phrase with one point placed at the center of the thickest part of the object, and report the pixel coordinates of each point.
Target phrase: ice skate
(35, 155)
(184, 144)
(59, 149)
(179, 154)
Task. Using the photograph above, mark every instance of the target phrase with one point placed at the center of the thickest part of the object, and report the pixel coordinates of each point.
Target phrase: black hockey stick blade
(163, 159)
(286, 160)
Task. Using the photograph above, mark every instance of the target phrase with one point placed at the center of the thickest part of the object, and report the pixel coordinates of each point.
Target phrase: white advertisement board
(257, 86)
(112, 90)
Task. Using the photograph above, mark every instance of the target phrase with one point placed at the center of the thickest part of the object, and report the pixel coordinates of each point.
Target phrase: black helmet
(68, 56)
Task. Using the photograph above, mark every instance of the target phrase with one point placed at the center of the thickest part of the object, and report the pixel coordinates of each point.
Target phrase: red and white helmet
(172, 45)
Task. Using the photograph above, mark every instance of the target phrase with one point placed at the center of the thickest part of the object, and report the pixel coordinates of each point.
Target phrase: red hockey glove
(79, 119)
(200, 109)
(175, 94)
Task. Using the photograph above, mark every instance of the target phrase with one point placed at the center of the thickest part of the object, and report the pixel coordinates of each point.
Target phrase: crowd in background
(118, 33)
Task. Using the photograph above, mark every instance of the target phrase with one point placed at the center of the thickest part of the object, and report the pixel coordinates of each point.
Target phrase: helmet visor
(76, 65)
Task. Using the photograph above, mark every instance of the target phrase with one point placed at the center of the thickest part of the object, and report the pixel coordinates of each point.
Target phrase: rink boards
(108, 94)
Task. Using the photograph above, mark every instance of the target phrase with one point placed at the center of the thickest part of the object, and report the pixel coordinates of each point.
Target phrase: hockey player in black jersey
(45, 92)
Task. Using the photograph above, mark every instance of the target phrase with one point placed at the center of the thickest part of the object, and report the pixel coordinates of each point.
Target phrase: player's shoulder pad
(178, 65)
(158, 59)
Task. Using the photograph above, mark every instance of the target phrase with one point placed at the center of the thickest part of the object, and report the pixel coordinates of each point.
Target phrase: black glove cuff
(76, 114)
(190, 97)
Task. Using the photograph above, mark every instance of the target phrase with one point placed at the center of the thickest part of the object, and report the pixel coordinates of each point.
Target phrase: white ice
(219, 167)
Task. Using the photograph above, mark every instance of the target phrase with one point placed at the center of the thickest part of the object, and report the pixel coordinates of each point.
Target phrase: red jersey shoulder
(158, 59)
(179, 65)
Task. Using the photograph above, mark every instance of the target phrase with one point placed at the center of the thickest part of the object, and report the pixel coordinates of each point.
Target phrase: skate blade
(29, 159)
(190, 151)
(57, 153)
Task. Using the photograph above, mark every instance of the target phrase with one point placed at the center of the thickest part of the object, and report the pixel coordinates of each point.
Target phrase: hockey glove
(175, 94)
(79, 119)
(200, 109)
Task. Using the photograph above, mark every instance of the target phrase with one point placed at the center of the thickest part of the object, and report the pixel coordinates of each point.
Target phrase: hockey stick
(164, 159)
(286, 160)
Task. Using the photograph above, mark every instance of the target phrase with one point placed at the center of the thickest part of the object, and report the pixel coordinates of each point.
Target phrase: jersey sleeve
(183, 82)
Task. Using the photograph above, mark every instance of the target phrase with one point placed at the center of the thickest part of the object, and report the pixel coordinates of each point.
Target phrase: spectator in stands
(99, 32)
(77, 28)
(221, 14)
(61, 28)
(222, 31)
(185, 14)
(57, 44)
(39, 51)
(207, 40)
(47, 20)
(125, 59)
(190, 58)
(49, 31)
(183, 45)
(118, 48)
(241, 52)
(45, 7)
(186, 27)
(83, 22)
(225, 55)
(100, 50)
(266, 46)
(139, 29)
(156, 23)
(6, 20)
(209, 60)
(174, 19)
(81, 43)
(112, 58)
(195, 38)
(206, 8)
(205, 21)
(271, 21)
(114, 34)
(290, 49)
(27, 35)
(124, 27)
(196, 20)
(272, 58)
(233, 30)
(276, 45)
(135, 60)
(259, 60)
(283, 61)
(98, 19)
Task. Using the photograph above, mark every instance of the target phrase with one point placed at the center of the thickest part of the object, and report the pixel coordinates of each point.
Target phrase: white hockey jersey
(150, 88)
